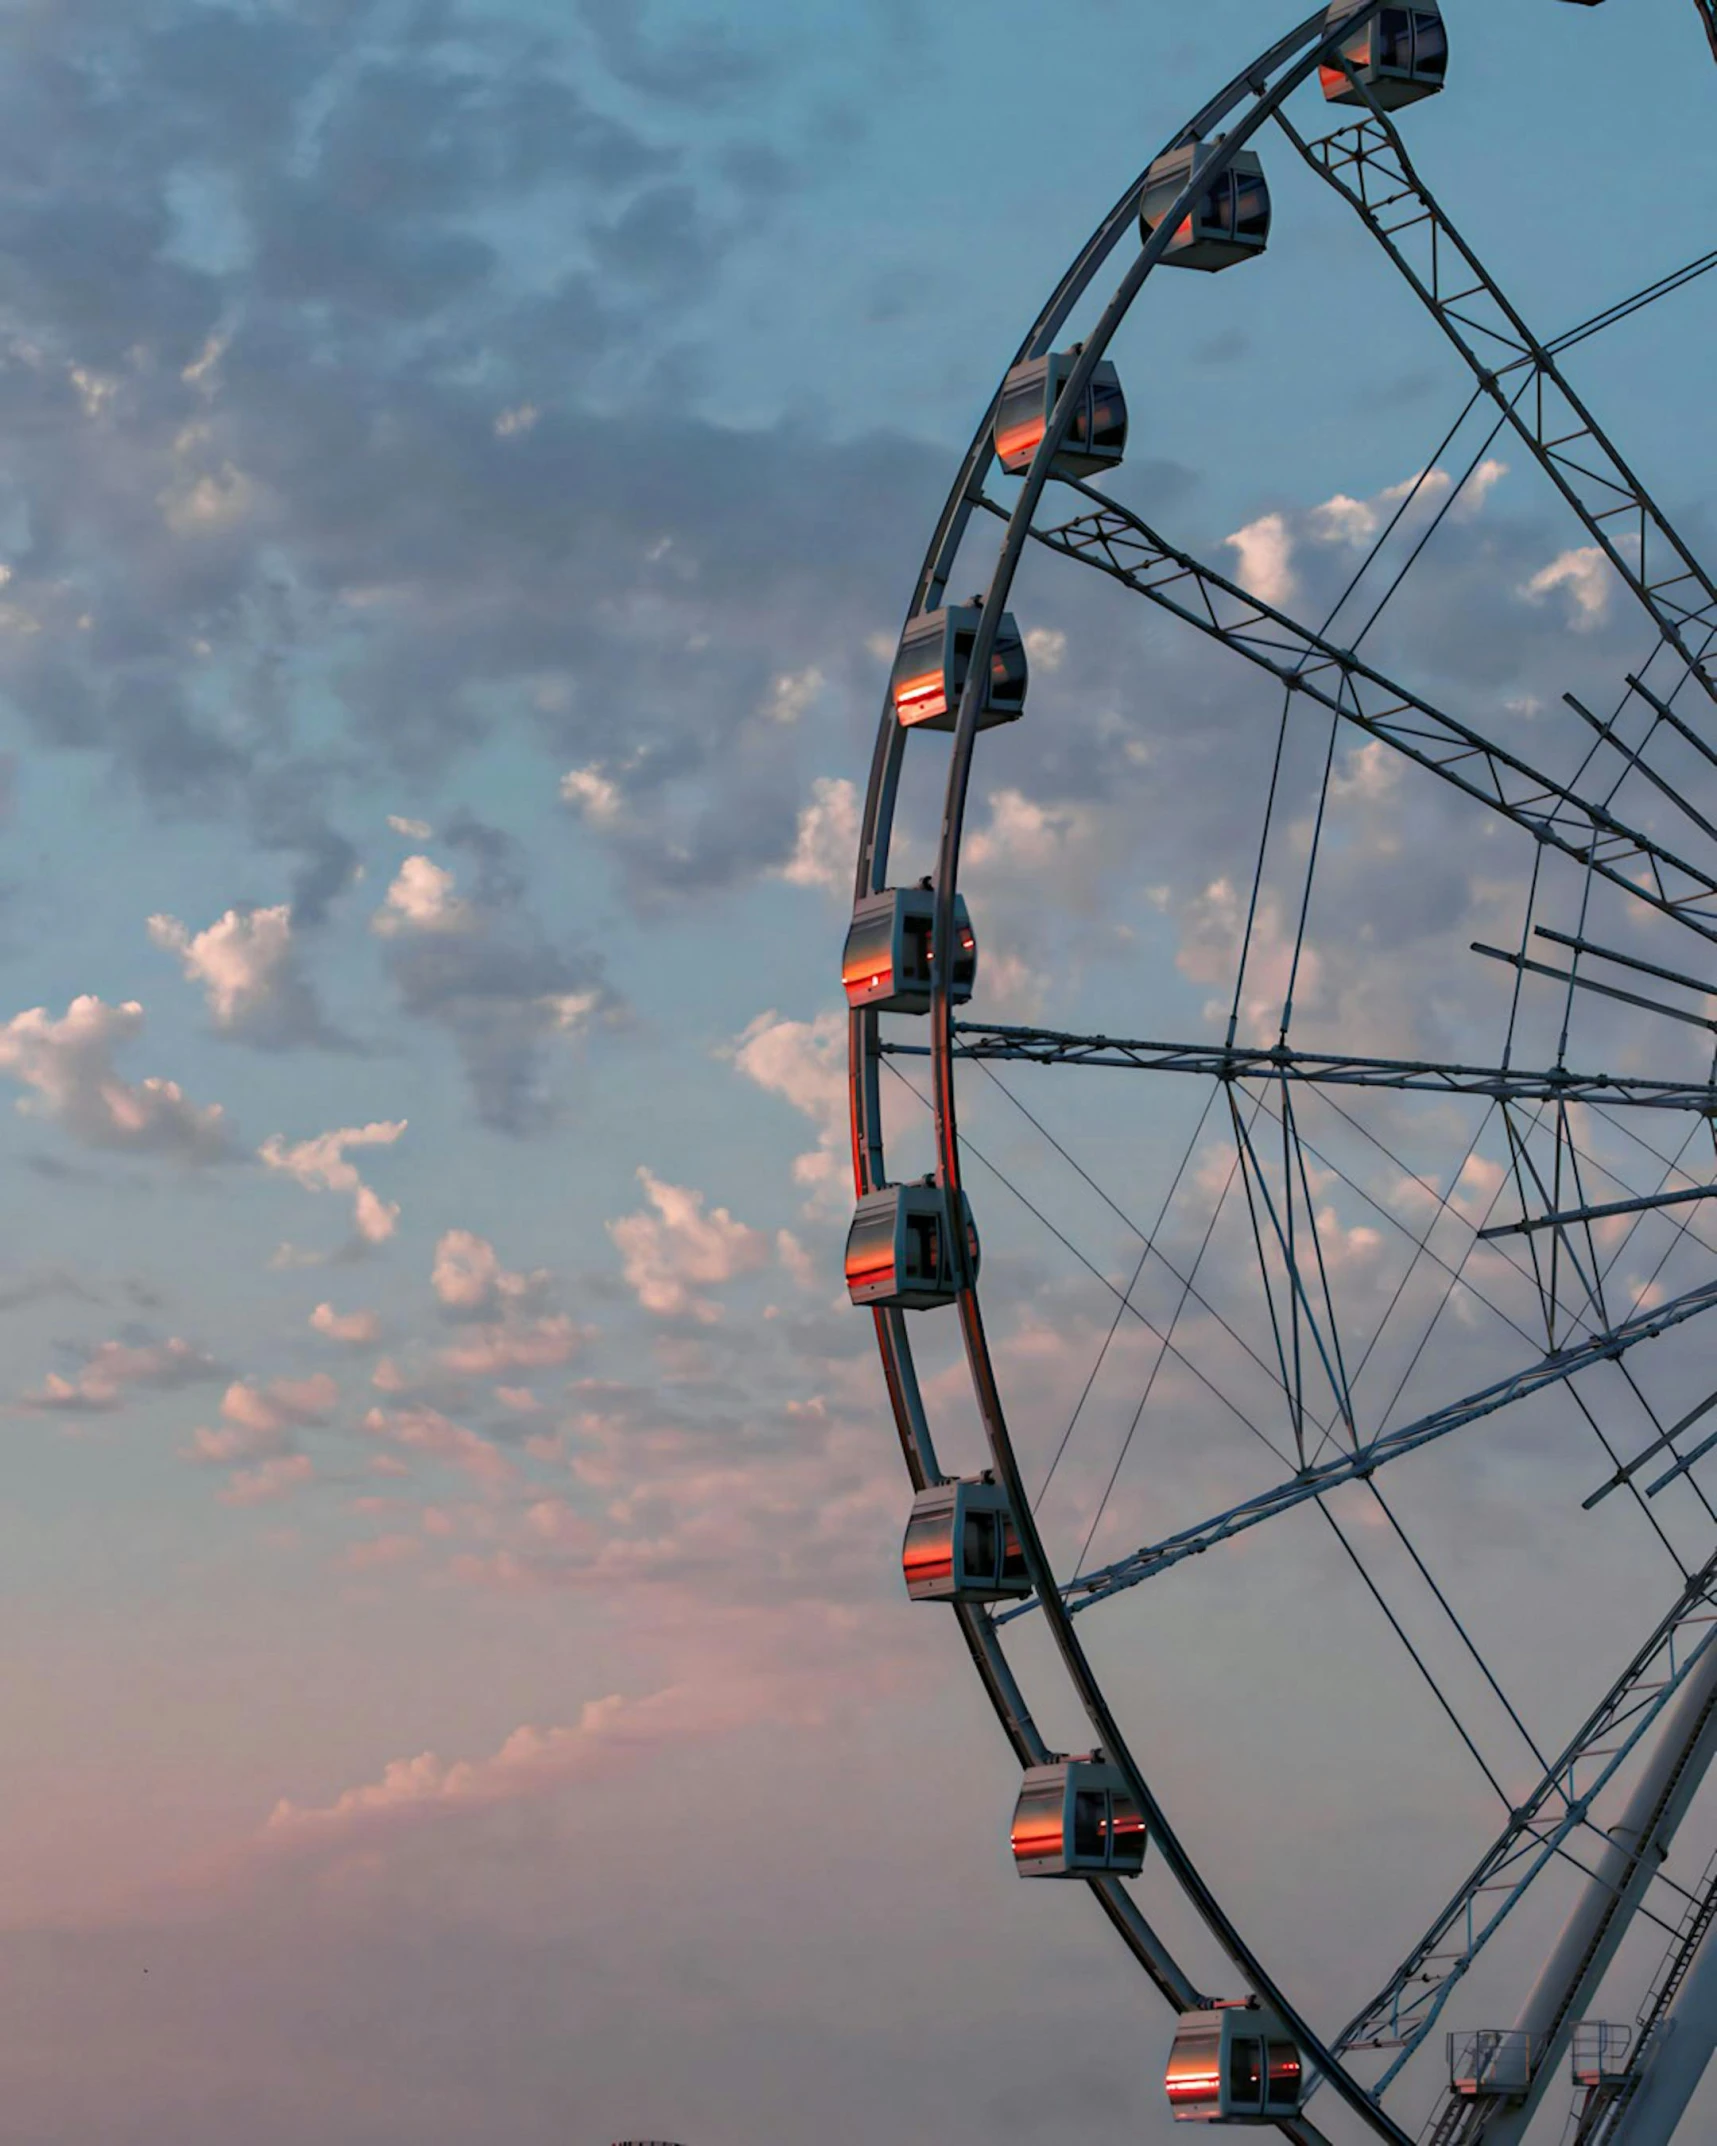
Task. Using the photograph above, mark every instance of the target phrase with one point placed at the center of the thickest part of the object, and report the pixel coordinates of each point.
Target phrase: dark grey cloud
(702, 64)
(485, 971)
(292, 444)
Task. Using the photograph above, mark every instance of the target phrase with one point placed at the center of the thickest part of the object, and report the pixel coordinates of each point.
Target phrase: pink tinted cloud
(357, 1329)
(426, 1431)
(674, 1251)
(112, 1370)
(609, 1735)
(270, 1482)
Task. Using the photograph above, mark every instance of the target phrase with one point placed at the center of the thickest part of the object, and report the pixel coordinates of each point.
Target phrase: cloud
(1265, 550)
(320, 1165)
(805, 1063)
(246, 963)
(481, 967)
(513, 1345)
(422, 899)
(610, 1735)
(1024, 835)
(426, 1431)
(357, 1329)
(825, 846)
(413, 830)
(589, 791)
(669, 1256)
(793, 695)
(109, 1372)
(1589, 579)
(258, 1421)
(269, 1482)
(68, 1064)
(468, 1277)
(1212, 929)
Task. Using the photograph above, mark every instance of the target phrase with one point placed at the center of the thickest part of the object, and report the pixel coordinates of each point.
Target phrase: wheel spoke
(1368, 166)
(1118, 543)
(1407, 2007)
(1552, 1370)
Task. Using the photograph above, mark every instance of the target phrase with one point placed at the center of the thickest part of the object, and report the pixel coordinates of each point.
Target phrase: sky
(462, 469)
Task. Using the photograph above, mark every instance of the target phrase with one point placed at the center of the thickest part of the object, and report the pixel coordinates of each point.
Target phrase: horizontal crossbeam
(1360, 1465)
(1061, 1047)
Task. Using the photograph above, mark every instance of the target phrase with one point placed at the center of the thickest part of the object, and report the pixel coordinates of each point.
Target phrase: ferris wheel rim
(865, 1051)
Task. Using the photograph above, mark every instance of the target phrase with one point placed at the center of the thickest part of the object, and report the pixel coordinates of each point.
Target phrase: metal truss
(1368, 165)
(991, 1041)
(1118, 543)
(1360, 1465)
(1708, 16)
(1407, 2007)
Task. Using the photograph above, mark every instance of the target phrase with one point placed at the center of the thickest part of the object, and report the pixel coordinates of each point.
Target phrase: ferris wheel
(1557, 1224)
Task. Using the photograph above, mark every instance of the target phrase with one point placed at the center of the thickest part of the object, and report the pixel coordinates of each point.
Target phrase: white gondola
(900, 1256)
(1400, 55)
(961, 1545)
(1077, 1819)
(1235, 2065)
(886, 965)
(935, 657)
(1096, 437)
(1229, 222)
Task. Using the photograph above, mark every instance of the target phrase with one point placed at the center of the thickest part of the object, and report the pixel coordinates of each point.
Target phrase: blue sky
(464, 465)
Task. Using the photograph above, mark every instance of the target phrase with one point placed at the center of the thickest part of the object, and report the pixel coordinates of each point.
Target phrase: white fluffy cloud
(805, 1063)
(246, 964)
(672, 1254)
(825, 847)
(468, 1275)
(1586, 575)
(1265, 551)
(320, 1165)
(68, 1066)
(422, 899)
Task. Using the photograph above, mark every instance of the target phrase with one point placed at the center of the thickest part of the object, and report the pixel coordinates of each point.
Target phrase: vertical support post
(1639, 1841)
(1687, 2038)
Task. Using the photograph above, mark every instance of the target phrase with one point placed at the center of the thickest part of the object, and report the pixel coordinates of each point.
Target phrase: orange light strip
(925, 695)
(1020, 442)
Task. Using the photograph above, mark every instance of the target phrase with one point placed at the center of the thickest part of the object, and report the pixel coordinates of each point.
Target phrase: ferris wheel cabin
(1400, 55)
(1234, 2065)
(935, 657)
(962, 1546)
(1228, 223)
(900, 1253)
(886, 965)
(1096, 437)
(1077, 1819)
